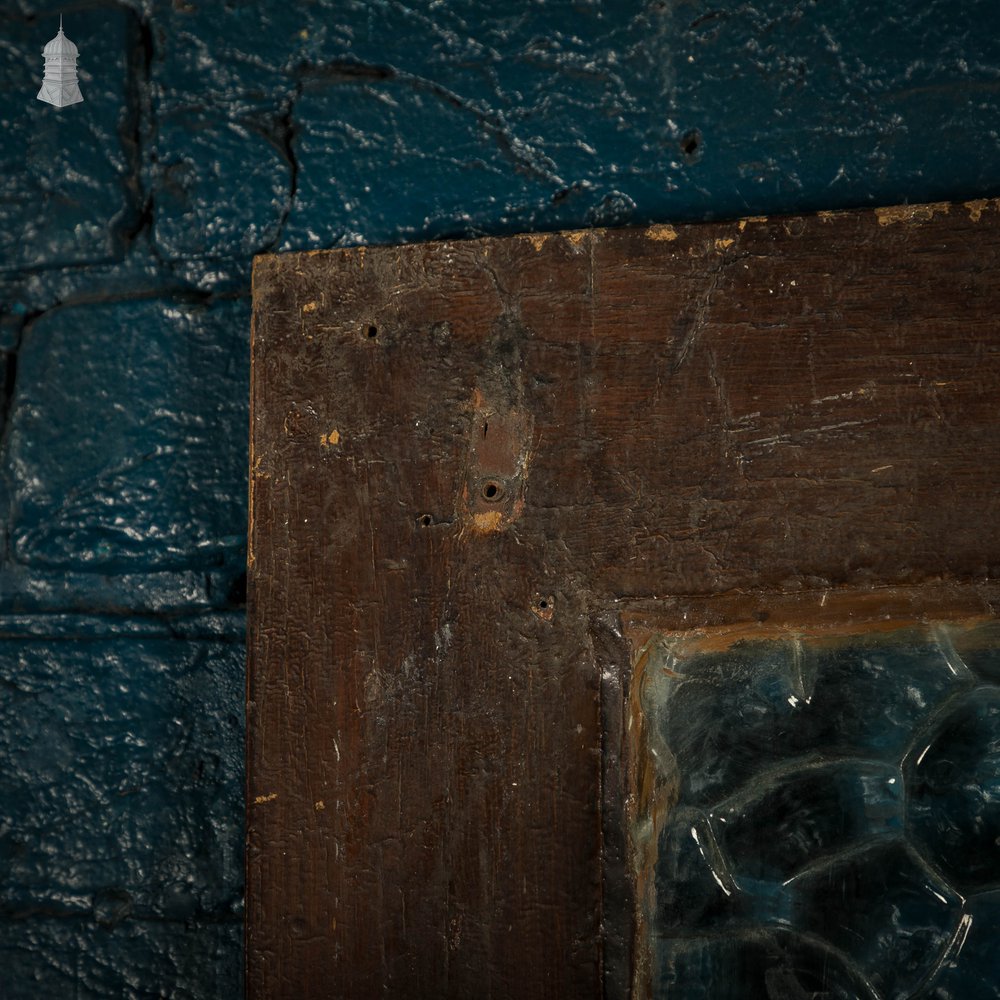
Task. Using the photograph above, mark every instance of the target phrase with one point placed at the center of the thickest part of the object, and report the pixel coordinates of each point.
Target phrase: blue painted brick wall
(212, 131)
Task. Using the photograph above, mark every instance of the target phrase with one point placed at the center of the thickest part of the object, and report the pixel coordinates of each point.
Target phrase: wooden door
(545, 532)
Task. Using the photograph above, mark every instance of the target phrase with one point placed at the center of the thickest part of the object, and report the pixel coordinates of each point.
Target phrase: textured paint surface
(831, 817)
(214, 131)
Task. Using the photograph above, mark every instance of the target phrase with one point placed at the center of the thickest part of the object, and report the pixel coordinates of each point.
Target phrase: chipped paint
(331, 439)
(980, 205)
(577, 236)
(538, 240)
(724, 244)
(486, 521)
(310, 307)
(262, 799)
(320, 805)
(743, 223)
(663, 232)
(911, 213)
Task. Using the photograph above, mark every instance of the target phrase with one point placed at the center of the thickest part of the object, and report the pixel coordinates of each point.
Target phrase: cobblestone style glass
(832, 817)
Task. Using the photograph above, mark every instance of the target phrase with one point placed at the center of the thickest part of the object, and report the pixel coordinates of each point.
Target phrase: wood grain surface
(468, 457)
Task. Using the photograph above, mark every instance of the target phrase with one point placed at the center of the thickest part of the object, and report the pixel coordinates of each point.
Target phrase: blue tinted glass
(827, 820)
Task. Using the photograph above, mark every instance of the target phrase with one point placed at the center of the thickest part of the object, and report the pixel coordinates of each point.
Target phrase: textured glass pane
(821, 816)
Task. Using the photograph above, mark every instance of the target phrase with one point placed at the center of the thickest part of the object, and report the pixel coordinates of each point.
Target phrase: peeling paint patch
(911, 213)
(662, 232)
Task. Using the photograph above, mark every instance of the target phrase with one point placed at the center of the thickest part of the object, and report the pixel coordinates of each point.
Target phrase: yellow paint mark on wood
(724, 244)
(980, 205)
(663, 232)
(261, 799)
(487, 521)
(577, 236)
(976, 208)
(911, 213)
(751, 218)
(538, 240)
(826, 216)
(331, 439)
(320, 805)
(310, 307)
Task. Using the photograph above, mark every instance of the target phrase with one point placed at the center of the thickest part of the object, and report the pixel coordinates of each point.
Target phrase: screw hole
(492, 491)
(544, 607)
(426, 520)
(372, 332)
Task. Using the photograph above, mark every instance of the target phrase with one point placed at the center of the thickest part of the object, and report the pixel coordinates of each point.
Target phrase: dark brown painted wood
(468, 458)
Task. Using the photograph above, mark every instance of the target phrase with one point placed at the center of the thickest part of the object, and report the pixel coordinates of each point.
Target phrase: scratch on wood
(698, 321)
(789, 438)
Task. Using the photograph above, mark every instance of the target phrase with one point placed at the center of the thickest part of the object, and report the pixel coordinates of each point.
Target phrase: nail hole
(372, 332)
(492, 491)
(426, 520)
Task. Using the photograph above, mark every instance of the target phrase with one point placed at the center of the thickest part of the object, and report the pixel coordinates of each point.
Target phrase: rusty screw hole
(544, 607)
(492, 491)
(372, 332)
